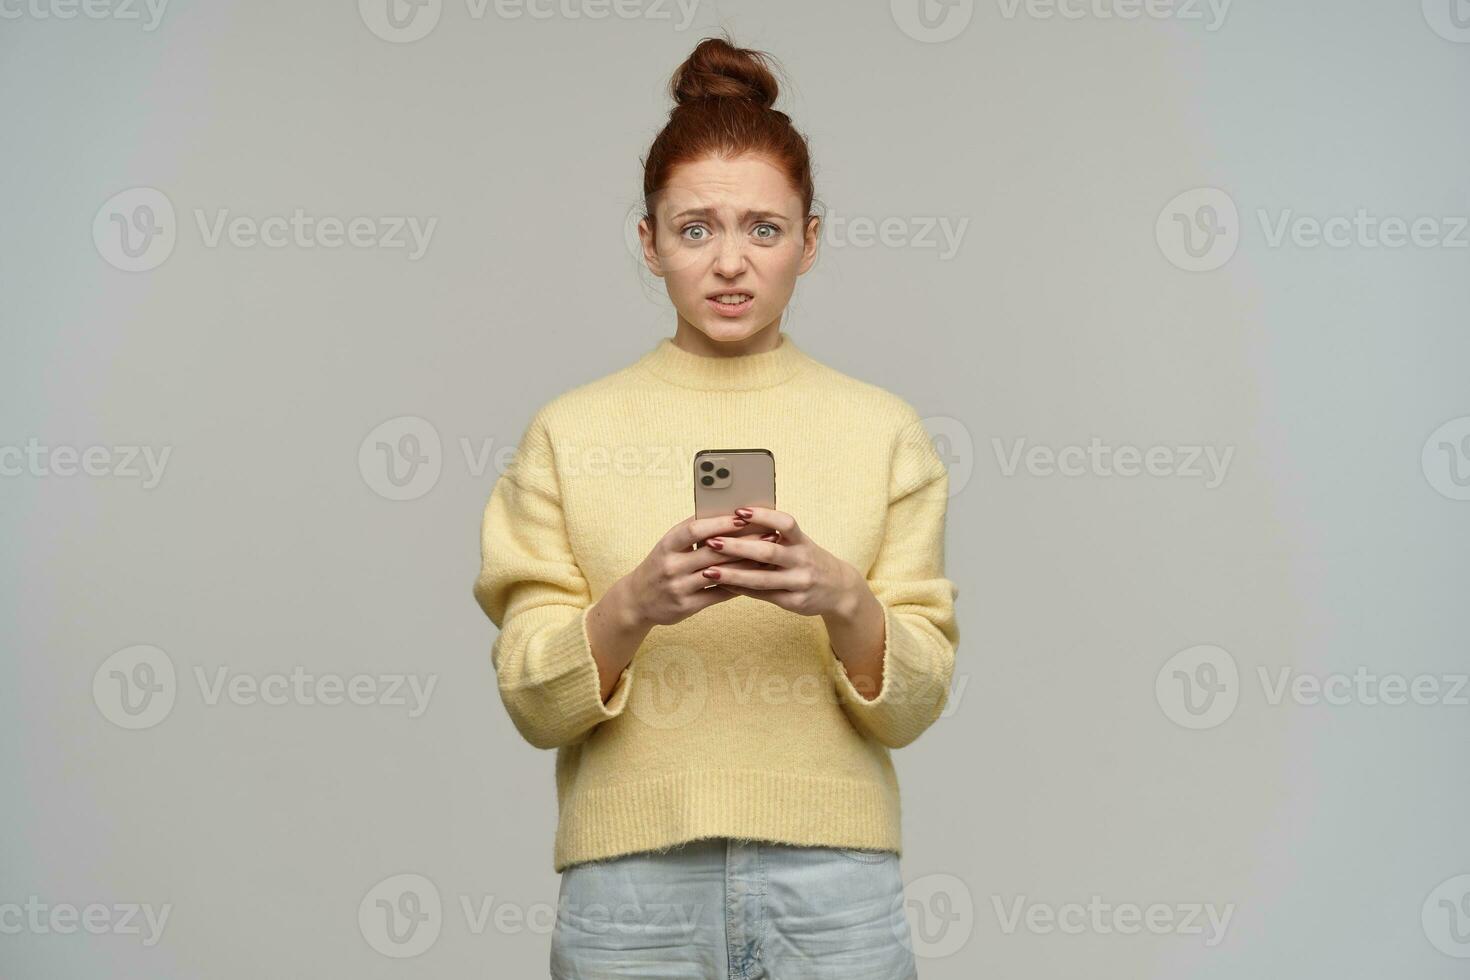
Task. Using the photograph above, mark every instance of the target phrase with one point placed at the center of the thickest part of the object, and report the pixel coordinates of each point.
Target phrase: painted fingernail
(745, 512)
(711, 573)
(740, 523)
(715, 543)
(771, 536)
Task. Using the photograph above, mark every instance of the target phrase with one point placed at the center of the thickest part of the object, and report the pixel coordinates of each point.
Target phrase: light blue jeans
(727, 909)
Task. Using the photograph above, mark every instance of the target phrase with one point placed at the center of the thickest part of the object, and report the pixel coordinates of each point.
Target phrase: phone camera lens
(722, 472)
(707, 480)
(706, 465)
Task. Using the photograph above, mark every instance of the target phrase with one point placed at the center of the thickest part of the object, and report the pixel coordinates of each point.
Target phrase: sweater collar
(737, 372)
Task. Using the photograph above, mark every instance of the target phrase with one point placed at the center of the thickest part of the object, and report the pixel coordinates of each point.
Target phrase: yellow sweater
(738, 721)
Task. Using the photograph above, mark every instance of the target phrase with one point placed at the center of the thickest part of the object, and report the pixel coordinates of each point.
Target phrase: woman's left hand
(806, 578)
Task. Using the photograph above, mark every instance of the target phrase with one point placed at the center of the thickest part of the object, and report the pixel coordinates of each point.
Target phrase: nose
(731, 258)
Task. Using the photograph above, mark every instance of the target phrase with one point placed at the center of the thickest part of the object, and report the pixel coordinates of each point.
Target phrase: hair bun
(717, 69)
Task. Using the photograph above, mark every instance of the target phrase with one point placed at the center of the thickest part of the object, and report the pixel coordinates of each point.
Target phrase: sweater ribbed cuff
(915, 686)
(566, 688)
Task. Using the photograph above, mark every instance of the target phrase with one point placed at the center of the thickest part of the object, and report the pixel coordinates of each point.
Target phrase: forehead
(729, 184)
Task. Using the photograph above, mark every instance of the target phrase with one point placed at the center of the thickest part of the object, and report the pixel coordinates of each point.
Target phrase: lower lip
(730, 309)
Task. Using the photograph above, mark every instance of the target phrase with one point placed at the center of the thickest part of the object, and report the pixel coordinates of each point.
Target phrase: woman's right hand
(669, 585)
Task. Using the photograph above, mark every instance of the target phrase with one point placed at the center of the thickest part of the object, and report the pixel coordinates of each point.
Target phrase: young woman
(723, 715)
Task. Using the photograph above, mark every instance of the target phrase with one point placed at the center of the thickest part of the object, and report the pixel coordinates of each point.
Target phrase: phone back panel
(725, 479)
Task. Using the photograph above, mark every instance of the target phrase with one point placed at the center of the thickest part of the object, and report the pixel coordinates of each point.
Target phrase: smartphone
(725, 479)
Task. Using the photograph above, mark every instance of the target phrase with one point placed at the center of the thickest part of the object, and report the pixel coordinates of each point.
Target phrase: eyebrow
(706, 213)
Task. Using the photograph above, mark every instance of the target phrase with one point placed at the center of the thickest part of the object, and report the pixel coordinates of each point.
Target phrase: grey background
(1057, 775)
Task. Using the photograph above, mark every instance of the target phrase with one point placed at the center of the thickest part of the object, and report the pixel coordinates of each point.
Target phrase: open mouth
(730, 304)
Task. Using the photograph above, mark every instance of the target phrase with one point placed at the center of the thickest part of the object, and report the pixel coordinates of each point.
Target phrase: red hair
(724, 97)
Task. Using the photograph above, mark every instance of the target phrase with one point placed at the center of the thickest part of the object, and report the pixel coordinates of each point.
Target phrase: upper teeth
(733, 298)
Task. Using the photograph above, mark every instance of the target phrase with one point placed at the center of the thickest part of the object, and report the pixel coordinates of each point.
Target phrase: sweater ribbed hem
(783, 807)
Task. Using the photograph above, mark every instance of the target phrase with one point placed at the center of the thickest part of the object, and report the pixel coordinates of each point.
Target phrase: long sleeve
(532, 589)
(907, 577)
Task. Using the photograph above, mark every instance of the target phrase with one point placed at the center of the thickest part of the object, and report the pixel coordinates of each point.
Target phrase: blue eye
(774, 230)
(688, 228)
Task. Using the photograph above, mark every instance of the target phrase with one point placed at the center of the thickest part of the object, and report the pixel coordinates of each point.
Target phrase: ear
(809, 243)
(650, 254)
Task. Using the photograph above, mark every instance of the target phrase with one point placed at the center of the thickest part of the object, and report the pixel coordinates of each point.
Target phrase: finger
(696, 580)
(765, 552)
(689, 532)
(755, 578)
(776, 520)
(691, 562)
(714, 594)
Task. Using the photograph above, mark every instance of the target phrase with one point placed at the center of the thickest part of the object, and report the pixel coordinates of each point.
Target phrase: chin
(725, 330)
